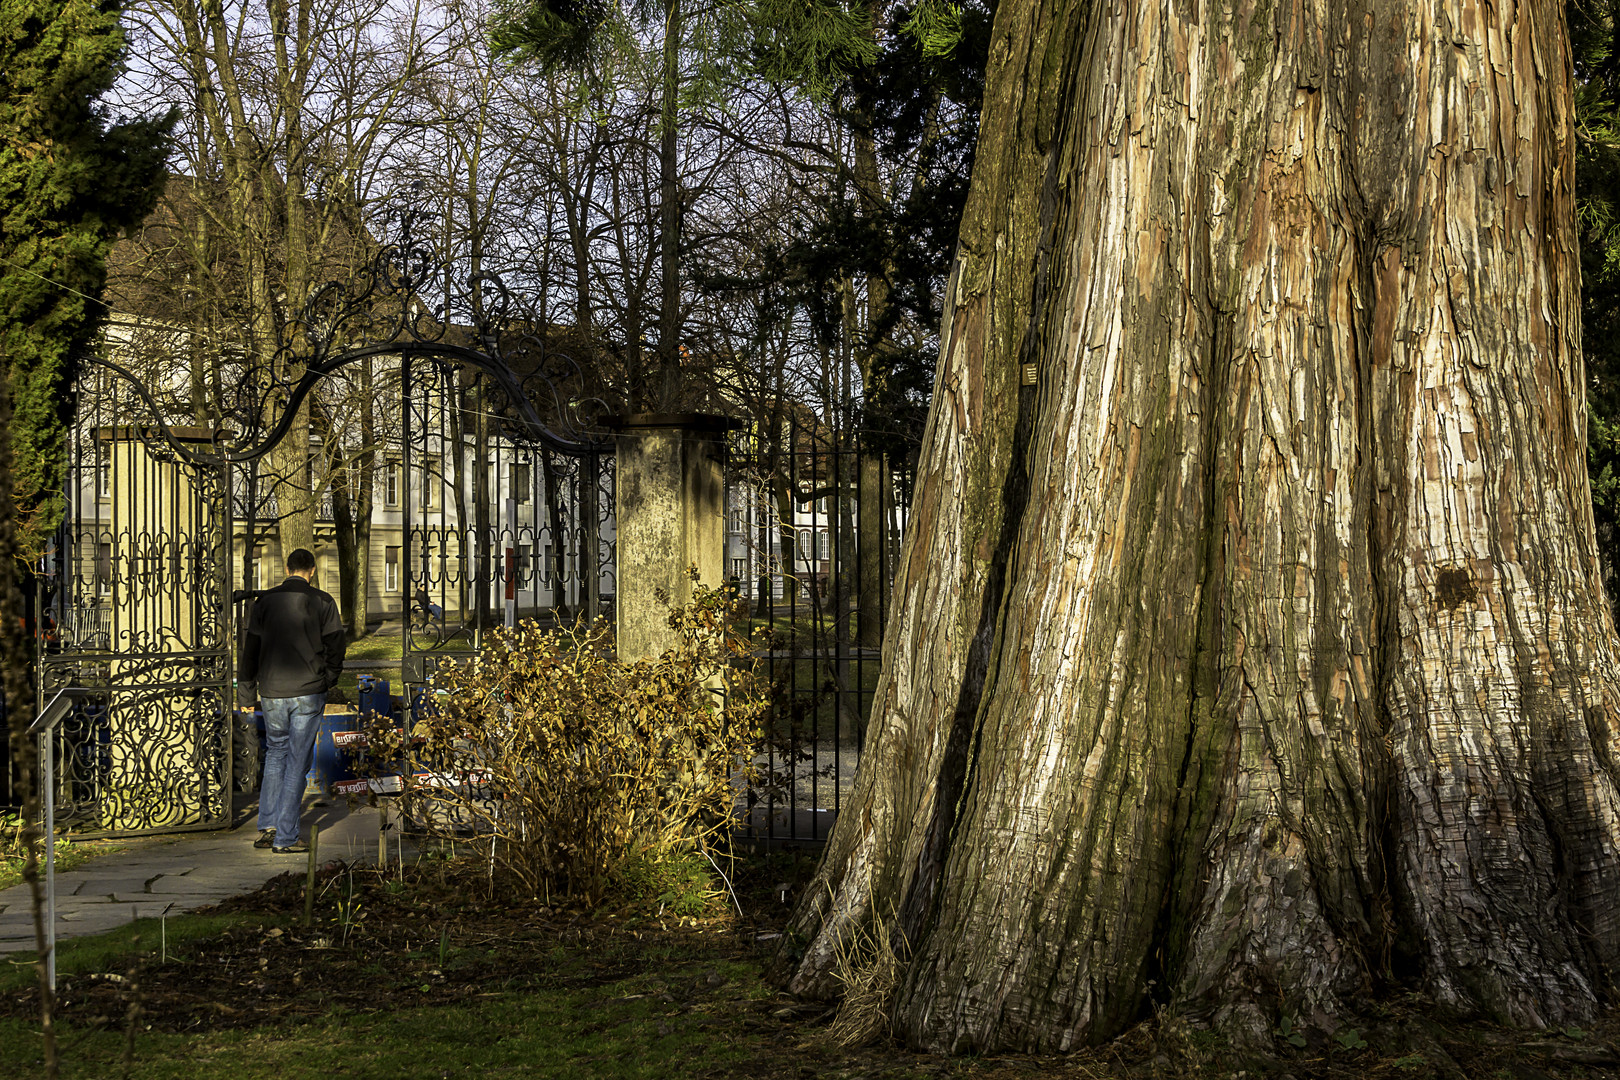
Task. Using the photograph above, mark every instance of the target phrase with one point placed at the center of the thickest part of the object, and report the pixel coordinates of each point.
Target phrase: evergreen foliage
(816, 44)
(568, 35)
(69, 182)
(936, 58)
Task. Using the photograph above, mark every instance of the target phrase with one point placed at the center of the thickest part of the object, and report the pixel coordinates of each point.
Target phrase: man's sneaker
(267, 838)
(297, 847)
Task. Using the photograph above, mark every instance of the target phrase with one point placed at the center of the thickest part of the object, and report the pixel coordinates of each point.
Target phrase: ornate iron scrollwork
(139, 585)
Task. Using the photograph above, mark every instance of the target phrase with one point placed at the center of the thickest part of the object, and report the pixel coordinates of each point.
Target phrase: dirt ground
(444, 925)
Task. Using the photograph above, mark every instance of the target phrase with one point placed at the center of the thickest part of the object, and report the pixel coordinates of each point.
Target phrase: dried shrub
(869, 967)
(582, 769)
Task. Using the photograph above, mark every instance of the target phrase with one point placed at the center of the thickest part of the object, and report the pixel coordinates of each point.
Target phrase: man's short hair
(300, 560)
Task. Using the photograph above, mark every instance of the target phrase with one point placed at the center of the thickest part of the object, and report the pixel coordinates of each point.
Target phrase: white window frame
(520, 492)
(432, 477)
(103, 472)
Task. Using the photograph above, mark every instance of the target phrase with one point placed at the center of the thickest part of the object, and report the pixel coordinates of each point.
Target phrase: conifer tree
(68, 184)
(69, 181)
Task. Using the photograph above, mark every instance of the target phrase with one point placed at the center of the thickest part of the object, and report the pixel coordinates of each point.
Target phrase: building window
(521, 481)
(432, 478)
(103, 569)
(739, 519)
(823, 545)
(545, 569)
(258, 566)
(391, 569)
(103, 472)
(391, 485)
(739, 572)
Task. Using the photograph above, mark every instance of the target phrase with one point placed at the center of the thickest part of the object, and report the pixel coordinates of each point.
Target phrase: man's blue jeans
(290, 725)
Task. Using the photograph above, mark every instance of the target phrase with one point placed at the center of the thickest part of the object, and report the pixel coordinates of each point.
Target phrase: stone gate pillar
(670, 517)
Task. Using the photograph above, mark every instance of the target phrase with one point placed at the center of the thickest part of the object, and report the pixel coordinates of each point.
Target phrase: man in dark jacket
(292, 656)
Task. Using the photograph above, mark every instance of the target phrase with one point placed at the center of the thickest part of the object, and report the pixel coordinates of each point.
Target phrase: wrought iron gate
(134, 603)
(499, 524)
(504, 488)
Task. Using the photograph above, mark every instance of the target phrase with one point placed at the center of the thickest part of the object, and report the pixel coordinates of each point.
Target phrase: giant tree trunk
(1256, 654)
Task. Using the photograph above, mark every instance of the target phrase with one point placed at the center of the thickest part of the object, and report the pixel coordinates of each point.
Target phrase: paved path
(183, 872)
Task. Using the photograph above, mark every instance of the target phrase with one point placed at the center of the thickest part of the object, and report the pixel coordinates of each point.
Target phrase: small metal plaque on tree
(1031, 371)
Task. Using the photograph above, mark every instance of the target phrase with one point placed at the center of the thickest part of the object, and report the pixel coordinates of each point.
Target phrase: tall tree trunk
(669, 200)
(787, 541)
(871, 547)
(485, 540)
(294, 487)
(874, 354)
(351, 514)
(365, 496)
(1256, 652)
(350, 554)
(555, 553)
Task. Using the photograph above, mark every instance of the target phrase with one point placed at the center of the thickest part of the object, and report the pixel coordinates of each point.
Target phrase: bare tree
(291, 109)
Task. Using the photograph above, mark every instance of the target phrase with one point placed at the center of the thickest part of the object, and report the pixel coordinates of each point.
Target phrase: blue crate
(375, 696)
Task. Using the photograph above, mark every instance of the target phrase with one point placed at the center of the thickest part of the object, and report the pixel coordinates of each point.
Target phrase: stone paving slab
(99, 887)
(181, 873)
(210, 895)
(179, 886)
(119, 912)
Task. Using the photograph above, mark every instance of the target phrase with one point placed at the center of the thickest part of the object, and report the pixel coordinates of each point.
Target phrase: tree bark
(871, 546)
(365, 495)
(1256, 654)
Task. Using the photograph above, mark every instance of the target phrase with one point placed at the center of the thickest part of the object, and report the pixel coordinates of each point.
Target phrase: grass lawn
(791, 627)
(384, 646)
(406, 977)
(806, 684)
(377, 646)
(69, 855)
(432, 972)
(629, 1026)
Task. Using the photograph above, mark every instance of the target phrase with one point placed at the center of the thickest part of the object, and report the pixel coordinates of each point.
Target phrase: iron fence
(813, 534)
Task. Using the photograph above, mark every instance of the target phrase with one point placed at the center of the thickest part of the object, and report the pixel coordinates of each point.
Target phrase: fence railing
(813, 534)
(86, 627)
